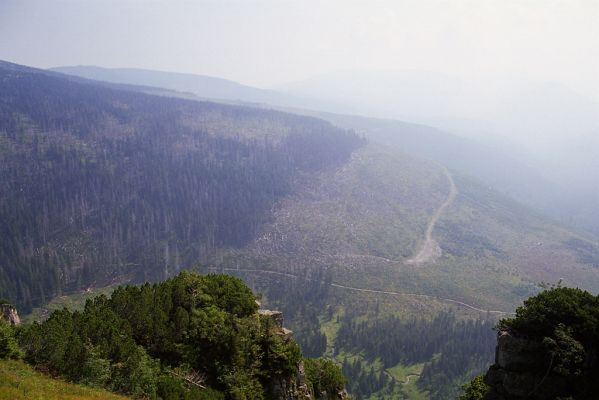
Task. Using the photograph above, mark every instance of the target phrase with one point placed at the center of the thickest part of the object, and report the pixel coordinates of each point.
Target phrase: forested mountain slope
(501, 166)
(106, 185)
(102, 184)
(375, 210)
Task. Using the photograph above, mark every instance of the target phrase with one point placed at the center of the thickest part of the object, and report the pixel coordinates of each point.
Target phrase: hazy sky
(268, 42)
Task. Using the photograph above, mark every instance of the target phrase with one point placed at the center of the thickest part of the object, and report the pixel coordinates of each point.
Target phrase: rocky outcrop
(297, 388)
(522, 371)
(277, 319)
(286, 389)
(292, 389)
(9, 314)
(275, 316)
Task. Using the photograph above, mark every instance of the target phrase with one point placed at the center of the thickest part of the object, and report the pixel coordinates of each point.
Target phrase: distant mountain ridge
(202, 86)
(211, 87)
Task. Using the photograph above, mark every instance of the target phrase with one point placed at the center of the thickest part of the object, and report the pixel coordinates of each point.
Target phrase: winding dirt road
(362, 290)
(430, 250)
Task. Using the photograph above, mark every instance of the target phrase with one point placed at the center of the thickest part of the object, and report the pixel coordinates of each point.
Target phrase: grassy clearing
(405, 388)
(401, 372)
(20, 381)
(408, 376)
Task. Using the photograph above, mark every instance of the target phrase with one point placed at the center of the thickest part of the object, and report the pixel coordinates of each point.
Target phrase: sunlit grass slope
(19, 381)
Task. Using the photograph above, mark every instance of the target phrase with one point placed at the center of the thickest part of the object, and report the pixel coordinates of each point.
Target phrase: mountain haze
(275, 200)
(545, 126)
(204, 87)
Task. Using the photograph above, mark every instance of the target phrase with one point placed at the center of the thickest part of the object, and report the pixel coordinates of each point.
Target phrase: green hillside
(73, 302)
(18, 381)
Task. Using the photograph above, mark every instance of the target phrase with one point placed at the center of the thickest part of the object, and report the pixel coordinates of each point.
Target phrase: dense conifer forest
(457, 349)
(102, 184)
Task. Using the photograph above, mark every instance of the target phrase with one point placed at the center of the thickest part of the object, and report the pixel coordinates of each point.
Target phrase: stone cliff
(9, 314)
(523, 370)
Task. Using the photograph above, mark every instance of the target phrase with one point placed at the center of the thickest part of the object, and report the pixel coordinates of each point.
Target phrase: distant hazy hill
(544, 127)
(205, 87)
(496, 167)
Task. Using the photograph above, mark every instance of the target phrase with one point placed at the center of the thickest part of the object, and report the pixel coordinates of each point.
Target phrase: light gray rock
(9, 314)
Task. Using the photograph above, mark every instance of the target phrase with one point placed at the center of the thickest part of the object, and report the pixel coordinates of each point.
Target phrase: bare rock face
(296, 388)
(521, 371)
(9, 314)
(277, 319)
(292, 389)
(276, 316)
(286, 389)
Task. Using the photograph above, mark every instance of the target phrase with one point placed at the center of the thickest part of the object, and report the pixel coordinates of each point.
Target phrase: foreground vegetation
(565, 321)
(189, 337)
(560, 331)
